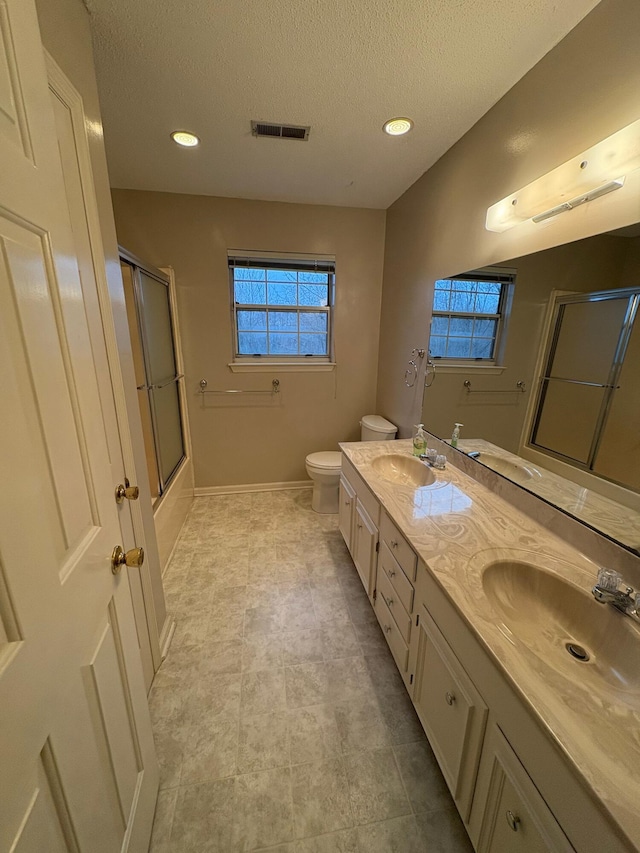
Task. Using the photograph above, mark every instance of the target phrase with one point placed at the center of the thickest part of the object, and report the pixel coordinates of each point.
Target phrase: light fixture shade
(580, 179)
(184, 138)
(397, 126)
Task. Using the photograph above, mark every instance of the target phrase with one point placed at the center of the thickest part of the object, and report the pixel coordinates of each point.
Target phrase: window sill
(469, 368)
(280, 367)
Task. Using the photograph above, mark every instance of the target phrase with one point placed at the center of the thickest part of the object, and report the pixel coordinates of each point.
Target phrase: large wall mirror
(547, 384)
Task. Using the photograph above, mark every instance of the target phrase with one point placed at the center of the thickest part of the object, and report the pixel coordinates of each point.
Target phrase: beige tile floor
(280, 720)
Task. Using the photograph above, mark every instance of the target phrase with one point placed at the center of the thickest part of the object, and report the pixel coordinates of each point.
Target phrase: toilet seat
(326, 460)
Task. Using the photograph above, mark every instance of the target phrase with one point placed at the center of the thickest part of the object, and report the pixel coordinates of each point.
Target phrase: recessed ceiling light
(184, 138)
(397, 126)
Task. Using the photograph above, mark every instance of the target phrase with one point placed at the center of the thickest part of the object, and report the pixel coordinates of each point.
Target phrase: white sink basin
(403, 470)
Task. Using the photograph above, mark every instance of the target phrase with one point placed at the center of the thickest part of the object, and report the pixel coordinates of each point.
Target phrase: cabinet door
(364, 551)
(511, 814)
(346, 511)
(451, 710)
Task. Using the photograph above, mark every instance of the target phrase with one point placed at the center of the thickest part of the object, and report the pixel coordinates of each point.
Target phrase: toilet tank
(376, 428)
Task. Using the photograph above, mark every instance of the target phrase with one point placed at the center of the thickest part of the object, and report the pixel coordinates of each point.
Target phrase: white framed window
(281, 308)
(469, 316)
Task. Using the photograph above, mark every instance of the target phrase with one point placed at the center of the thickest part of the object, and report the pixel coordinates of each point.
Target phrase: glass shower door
(152, 340)
(162, 375)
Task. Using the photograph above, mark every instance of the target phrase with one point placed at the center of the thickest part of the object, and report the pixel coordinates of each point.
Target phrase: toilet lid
(378, 424)
(325, 459)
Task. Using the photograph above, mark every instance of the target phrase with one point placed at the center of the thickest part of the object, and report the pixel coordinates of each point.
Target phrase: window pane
(251, 343)
(283, 321)
(466, 286)
(461, 327)
(461, 301)
(313, 294)
(437, 347)
(281, 294)
(441, 301)
(439, 325)
(313, 322)
(313, 277)
(314, 344)
(248, 273)
(485, 328)
(443, 284)
(283, 344)
(250, 292)
(282, 275)
(487, 303)
(481, 348)
(458, 347)
(489, 287)
(252, 320)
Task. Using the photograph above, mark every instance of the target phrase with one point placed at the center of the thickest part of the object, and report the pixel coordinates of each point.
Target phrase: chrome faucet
(606, 591)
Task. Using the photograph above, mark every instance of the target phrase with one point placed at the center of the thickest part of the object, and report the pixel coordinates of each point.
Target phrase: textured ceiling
(341, 66)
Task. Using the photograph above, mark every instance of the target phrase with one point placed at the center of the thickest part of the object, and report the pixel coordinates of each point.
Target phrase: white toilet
(324, 467)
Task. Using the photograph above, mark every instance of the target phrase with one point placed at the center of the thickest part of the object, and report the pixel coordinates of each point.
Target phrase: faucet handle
(609, 579)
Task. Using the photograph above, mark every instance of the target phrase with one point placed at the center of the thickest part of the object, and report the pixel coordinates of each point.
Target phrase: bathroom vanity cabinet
(512, 784)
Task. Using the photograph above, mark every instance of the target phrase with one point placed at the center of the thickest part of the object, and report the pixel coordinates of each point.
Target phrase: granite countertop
(457, 526)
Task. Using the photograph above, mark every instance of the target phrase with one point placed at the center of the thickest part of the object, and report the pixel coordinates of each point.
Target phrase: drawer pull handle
(513, 820)
(387, 628)
(359, 527)
(392, 573)
(450, 698)
(393, 543)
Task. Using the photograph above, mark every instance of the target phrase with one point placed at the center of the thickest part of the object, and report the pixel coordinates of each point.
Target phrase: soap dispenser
(456, 434)
(419, 441)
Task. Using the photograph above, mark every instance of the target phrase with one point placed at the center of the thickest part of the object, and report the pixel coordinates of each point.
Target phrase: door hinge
(411, 679)
(375, 594)
(377, 546)
(417, 619)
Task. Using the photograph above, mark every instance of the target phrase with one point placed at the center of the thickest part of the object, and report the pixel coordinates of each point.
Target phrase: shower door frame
(162, 277)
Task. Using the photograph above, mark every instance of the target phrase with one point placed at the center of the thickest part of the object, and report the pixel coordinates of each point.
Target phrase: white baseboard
(167, 635)
(203, 491)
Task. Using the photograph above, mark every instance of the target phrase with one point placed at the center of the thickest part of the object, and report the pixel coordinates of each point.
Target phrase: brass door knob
(131, 493)
(133, 558)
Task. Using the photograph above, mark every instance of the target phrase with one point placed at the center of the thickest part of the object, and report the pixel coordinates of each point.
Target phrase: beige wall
(593, 264)
(259, 439)
(64, 27)
(583, 90)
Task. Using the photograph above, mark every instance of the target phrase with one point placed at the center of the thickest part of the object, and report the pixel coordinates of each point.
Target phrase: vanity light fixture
(397, 126)
(598, 171)
(184, 138)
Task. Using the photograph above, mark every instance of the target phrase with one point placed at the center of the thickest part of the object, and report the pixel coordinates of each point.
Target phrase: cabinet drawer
(392, 635)
(394, 605)
(399, 581)
(401, 550)
(451, 710)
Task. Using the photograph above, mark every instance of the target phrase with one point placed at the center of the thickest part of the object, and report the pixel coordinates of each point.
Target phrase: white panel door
(77, 768)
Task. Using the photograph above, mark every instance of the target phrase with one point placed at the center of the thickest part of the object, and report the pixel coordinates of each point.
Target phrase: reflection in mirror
(573, 345)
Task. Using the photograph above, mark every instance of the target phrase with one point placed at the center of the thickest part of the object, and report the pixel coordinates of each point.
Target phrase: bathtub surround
(264, 440)
(279, 716)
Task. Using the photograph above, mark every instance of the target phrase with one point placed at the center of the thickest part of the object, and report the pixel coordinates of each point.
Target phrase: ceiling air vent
(280, 131)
